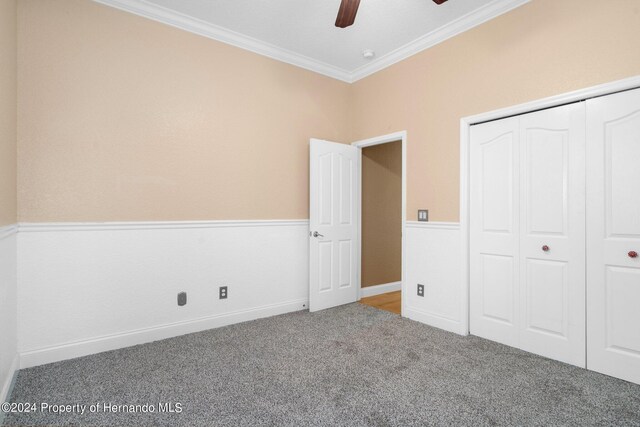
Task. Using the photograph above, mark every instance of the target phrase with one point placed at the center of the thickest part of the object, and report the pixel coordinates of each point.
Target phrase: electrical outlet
(420, 290)
(223, 292)
(423, 215)
(182, 299)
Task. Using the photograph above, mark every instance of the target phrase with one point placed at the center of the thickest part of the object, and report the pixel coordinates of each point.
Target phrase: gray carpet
(353, 365)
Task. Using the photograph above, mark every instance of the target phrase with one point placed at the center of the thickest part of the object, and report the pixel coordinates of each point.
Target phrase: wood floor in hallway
(390, 301)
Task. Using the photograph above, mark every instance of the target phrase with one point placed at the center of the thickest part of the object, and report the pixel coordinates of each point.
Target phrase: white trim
(383, 139)
(6, 387)
(436, 321)
(464, 226)
(175, 19)
(193, 25)
(370, 291)
(141, 336)
(152, 225)
(458, 26)
(391, 137)
(554, 101)
(8, 230)
(434, 224)
(467, 122)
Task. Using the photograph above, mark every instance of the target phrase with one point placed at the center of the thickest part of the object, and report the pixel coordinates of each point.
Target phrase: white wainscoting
(87, 288)
(8, 309)
(434, 260)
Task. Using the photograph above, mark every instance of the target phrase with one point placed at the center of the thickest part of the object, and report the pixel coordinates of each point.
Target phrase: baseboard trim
(434, 320)
(370, 291)
(154, 225)
(8, 230)
(8, 384)
(142, 336)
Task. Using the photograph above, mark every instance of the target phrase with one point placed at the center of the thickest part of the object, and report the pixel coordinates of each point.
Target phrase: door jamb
(527, 107)
(392, 137)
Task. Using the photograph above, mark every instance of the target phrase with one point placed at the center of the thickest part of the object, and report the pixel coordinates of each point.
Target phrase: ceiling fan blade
(347, 13)
(439, 1)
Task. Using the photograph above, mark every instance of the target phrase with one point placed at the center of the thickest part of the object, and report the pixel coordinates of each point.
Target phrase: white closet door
(613, 235)
(552, 233)
(494, 154)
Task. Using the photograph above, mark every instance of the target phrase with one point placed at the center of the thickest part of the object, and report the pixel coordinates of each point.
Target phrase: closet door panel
(613, 272)
(547, 287)
(622, 296)
(552, 227)
(494, 231)
(496, 281)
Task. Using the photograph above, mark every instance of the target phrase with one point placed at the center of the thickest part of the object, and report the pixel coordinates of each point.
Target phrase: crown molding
(458, 26)
(178, 20)
(193, 25)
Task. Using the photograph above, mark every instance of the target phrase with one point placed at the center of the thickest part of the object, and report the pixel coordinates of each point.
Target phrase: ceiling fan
(349, 8)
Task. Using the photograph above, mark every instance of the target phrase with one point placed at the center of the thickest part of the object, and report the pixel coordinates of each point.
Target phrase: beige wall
(382, 214)
(544, 48)
(123, 118)
(8, 95)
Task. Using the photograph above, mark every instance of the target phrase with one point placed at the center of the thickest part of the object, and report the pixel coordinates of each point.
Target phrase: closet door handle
(545, 248)
(633, 254)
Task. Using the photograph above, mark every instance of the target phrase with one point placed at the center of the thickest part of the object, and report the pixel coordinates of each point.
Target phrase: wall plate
(182, 299)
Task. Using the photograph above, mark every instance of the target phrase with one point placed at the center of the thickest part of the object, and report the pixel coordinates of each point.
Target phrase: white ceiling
(302, 32)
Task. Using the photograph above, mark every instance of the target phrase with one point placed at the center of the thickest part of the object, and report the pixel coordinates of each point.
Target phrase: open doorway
(335, 223)
(381, 224)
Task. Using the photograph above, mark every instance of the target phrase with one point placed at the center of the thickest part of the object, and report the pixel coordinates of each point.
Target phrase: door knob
(545, 248)
(316, 234)
(633, 254)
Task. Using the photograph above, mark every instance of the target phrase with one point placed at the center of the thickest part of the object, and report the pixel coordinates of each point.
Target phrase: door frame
(527, 107)
(369, 142)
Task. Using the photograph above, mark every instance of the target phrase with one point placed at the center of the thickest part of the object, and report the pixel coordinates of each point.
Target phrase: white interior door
(613, 235)
(333, 225)
(552, 233)
(494, 228)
